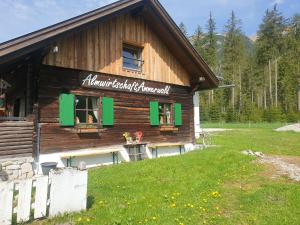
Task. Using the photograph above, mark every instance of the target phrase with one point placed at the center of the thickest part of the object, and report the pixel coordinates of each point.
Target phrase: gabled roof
(151, 10)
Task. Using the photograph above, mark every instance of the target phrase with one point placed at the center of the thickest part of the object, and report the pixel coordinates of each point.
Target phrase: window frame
(99, 112)
(164, 103)
(140, 60)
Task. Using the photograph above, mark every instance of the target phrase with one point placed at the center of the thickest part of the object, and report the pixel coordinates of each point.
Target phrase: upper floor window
(132, 57)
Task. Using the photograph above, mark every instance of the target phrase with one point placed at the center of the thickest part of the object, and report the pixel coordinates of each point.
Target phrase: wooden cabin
(72, 91)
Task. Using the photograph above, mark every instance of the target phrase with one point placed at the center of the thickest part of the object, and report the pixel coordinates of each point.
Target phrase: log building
(69, 92)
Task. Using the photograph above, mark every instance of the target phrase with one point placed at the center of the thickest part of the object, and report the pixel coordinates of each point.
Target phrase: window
(132, 57)
(87, 110)
(165, 114)
(19, 109)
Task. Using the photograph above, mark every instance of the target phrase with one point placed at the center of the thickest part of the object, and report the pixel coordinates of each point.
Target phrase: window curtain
(95, 108)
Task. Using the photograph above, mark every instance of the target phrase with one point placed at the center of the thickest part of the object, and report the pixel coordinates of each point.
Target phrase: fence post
(24, 200)
(41, 197)
(68, 192)
(6, 202)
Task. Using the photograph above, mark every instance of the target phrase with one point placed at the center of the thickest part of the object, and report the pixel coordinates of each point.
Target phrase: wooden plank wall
(16, 139)
(131, 114)
(99, 49)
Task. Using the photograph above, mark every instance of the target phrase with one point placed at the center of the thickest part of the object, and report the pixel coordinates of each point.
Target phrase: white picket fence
(61, 192)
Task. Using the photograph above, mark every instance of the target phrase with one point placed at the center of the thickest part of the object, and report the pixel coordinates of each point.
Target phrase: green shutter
(66, 110)
(177, 114)
(107, 111)
(154, 114)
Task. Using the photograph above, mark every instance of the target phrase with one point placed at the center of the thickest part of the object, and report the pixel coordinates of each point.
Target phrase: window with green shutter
(154, 114)
(165, 114)
(107, 111)
(66, 110)
(177, 114)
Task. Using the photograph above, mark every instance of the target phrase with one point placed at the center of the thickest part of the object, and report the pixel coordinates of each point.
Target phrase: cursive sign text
(122, 84)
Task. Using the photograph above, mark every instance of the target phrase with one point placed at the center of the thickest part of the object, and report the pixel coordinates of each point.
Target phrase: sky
(18, 17)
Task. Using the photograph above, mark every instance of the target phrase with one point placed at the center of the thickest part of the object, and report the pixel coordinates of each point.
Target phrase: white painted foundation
(107, 158)
(90, 160)
(171, 151)
(166, 152)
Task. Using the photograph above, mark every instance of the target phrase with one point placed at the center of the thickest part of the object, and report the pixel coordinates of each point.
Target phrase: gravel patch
(283, 165)
(283, 168)
(294, 127)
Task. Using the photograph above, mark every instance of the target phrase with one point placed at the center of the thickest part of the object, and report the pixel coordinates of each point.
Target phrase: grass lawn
(215, 186)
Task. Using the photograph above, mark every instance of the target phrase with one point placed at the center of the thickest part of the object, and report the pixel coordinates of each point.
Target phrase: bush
(231, 115)
(256, 115)
(214, 113)
(204, 113)
(292, 117)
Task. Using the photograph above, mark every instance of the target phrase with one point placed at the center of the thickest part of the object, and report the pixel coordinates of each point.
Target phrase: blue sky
(18, 17)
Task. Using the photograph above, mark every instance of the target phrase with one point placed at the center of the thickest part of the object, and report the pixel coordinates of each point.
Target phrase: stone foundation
(19, 168)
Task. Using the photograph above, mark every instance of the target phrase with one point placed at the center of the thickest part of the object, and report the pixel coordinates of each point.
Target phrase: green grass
(215, 186)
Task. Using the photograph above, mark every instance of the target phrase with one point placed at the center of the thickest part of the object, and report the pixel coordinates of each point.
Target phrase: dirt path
(284, 166)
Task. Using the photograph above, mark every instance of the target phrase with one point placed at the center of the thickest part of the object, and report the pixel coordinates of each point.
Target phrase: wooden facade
(16, 139)
(99, 49)
(131, 114)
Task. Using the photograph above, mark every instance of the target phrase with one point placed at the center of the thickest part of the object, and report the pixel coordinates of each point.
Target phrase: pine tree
(206, 45)
(270, 45)
(233, 61)
(210, 49)
(198, 41)
(269, 42)
(211, 43)
(289, 67)
(266, 79)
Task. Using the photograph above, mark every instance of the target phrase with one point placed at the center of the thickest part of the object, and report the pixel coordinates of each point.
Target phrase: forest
(259, 77)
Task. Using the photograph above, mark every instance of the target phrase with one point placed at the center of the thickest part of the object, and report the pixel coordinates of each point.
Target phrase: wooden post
(6, 206)
(36, 132)
(40, 205)
(28, 89)
(24, 200)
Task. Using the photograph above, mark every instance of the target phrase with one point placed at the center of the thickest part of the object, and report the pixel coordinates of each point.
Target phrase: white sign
(123, 84)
